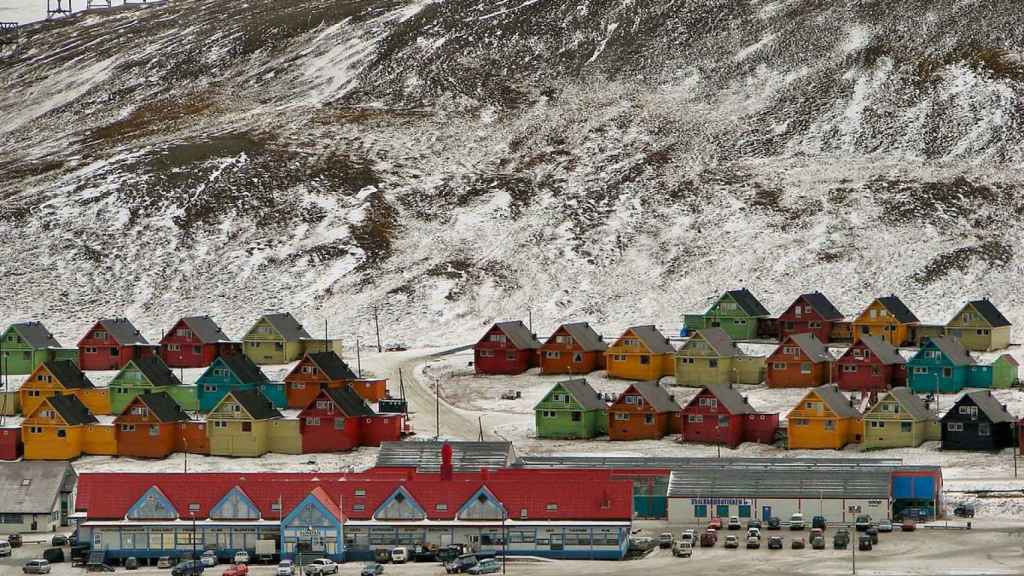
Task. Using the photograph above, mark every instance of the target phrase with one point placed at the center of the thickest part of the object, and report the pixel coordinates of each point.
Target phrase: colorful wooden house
(641, 353)
(313, 373)
(801, 361)
(236, 372)
(276, 339)
(872, 364)
(941, 365)
(148, 375)
(719, 414)
(887, 318)
(711, 357)
(980, 326)
(737, 312)
(55, 429)
(644, 411)
(506, 348)
(239, 425)
(810, 313)
(195, 342)
(573, 349)
(112, 343)
(26, 345)
(978, 422)
(62, 378)
(149, 426)
(899, 419)
(571, 409)
(1005, 372)
(11, 447)
(338, 419)
(824, 418)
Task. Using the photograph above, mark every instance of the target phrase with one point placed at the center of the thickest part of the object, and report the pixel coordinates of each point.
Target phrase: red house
(809, 313)
(871, 365)
(801, 361)
(111, 343)
(718, 414)
(645, 411)
(10, 443)
(195, 342)
(338, 420)
(507, 348)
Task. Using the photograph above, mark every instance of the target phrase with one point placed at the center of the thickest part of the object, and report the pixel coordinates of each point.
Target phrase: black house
(977, 422)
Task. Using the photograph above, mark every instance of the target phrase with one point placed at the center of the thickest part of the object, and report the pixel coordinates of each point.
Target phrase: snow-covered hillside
(456, 162)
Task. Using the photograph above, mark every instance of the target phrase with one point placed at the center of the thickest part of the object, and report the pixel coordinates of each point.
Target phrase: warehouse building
(35, 496)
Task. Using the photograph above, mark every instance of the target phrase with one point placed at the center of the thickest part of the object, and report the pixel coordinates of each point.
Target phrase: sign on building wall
(721, 501)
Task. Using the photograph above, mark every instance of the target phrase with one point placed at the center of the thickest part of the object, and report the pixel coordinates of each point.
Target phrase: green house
(148, 375)
(276, 339)
(737, 312)
(1004, 372)
(899, 419)
(29, 344)
(710, 357)
(571, 409)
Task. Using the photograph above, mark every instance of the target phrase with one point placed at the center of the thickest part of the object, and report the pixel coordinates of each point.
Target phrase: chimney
(446, 462)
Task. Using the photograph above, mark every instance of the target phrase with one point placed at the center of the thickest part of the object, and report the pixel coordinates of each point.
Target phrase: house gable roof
(205, 329)
(988, 404)
(730, 398)
(253, 402)
(885, 352)
(123, 332)
(154, 369)
(989, 312)
(583, 334)
(652, 339)
(720, 342)
(350, 403)
(655, 395)
(71, 410)
(822, 305)
(36, 335)
(748, 302)
(69, 375)
(835, 400)
(950, 348)
(244, 369)
(517, 333)
(32, 487)
(582, 392)
(810, 345)
(287, 326)
(910, 402)
(898, 309)
(163, 407)
(332, 365)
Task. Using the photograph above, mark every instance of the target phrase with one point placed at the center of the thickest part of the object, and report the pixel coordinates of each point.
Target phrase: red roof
(578, 494)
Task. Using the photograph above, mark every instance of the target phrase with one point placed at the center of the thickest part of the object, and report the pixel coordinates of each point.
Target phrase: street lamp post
(504, 539)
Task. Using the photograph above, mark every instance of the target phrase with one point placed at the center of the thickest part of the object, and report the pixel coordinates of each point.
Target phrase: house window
(551, 507)
(510, 355)
(62, 433)
(686, 360)
(90, 349)
(140, 411)
(552, 354)
(814, 325)
(798, 310)
(955, 426)
(645, 359)
(622, 416)
(154, 429)
(577, 357)
(561, 339)
(708, 403)
(713, 363)
(220, 424)
(127, 427)
(48, 414)
(33, 393)
(298, 385)
(307, 369)
(849, 368)
(209, 388)
(778, 366)
(197, 349)
(99, 335)
(360, 492)
(648, 418)
(246, 426)
(983, 332)
(830, 424)
(358, 507)
(933, 354)
(577, 416)
(906, 427)
(339, 423)
(235, 408)
(440, 507)
(947, 372)
(323, 404)
(723, 421)
(877, 424)
(548, 413)
(984, 429)
(485, 353)
(618, 357)
(312, 421)
(791, 350)
(500, 338)
(695, 418)
(805, 368)
(858, 353)
(557, 398)
(801, 422)
(35, 429)
(113, 351)
(875, 371)
(174, 347)
(920, 370)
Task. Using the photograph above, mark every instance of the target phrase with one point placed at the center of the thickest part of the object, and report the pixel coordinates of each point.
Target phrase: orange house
(645, 411)
(824, 418)
(319, 370)
(55, 430)
(573, 349)
(62, 378)
(192, 437)
(801, 361)
(887, 318)
(149, 427)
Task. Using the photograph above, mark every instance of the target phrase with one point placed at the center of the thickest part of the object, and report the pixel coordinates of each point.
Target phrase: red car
(237, 570)
(715, 524)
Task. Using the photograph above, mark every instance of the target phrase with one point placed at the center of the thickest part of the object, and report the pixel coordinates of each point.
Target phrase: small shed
(10, 443)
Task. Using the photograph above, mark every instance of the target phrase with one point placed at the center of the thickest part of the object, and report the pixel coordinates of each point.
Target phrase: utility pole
(480, 422)
(325, 334)
(359, 360)
(437, 407)
(529, 312)
(376, 326)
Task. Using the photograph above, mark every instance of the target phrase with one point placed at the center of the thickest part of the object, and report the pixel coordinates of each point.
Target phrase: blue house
(236, 372)
(941, 365)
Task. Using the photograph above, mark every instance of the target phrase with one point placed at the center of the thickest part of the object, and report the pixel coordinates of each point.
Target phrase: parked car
(715, 524)
(511, 395)
(775, 543)
(5, 549)
(14, 540)
(285, 568)
(873, 533)
(964, 511)
(734, 523)
(731, 541)
(666, 540)
(237, 570)
(753, 542)
(709, 538)
(885, 526)
(131, 563)
(798, 543)
(683, 549)
(382, 555)
(241, 557)
(193, 568)
(321, 566)
(689, 535)
(819, 522)
(486, 566)
(400, 555)
(817, 538)
(796, 521)
(753, 524)
(164, 562)
(864, 542)
(59, 540)
(641, 543)
(372, 569)
(863, 522)
(841, 539)
(209, 558)
(774, 523)
(36, 567)
(908, 525)
(461, 564)
(452, 551)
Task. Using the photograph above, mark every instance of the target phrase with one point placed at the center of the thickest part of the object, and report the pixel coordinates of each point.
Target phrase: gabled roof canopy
(243, 368)
(36, 335)
(70, 409)
(350, 403)
(205, 329)
(584, 335)
(69, 375)
(748, 302)
(989, 312)
(898, 309)
(332, 366)
(287, 327)
(651, 337)
(885, 352)
(253, 402)
(655, 395)
(822, 305)
(123, 332)
(953, 350)
(154, 369)
(582, 392)
(810, 345)
(517, 333)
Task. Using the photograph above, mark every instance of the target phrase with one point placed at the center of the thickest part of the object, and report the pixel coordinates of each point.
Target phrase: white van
(399, 555)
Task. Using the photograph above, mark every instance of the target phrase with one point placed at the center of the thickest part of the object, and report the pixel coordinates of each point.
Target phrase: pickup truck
(709, 538)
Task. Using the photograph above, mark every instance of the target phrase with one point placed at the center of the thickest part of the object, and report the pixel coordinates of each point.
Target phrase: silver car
(36, 567)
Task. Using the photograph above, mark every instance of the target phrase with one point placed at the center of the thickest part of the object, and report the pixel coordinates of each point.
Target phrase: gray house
(36, 496)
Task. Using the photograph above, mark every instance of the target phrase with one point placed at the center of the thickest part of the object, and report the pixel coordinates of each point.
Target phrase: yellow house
(887, 318)
(285, 437)
(641, 353)
(980, 326)
(824, 418)
(99, 439)
(240, 424)
(62, 378)
(55, 430)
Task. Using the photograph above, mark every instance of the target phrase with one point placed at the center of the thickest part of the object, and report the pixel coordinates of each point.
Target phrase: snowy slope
(457, 162)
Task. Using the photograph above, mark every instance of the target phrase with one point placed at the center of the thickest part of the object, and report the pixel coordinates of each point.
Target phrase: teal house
(148, 375)
(27, 345)
(737, 312)
(943, 365)
(572, 409)
(236, 372)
